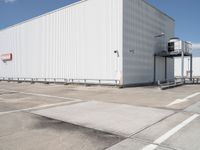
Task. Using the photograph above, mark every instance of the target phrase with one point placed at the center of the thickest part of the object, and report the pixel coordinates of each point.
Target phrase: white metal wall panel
(196, 66)
(141, 23)
(75, 42)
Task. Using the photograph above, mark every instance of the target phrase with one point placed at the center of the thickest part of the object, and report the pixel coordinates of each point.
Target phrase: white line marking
(170, 133)
(39, 107)
(150, 147)
(177, 101)
(14, 100)
(43, 95)
(54, 85)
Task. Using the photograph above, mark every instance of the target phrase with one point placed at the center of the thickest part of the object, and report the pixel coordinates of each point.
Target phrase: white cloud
(196, 46)
(8, 1)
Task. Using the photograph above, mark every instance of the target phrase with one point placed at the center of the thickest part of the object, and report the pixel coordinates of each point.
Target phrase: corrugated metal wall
(141, 23)
(196, 66)
(76, 42)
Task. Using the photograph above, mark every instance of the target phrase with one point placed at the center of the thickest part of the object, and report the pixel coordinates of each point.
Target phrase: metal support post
(154, 75)
(165, 68)
(182, 65)
(191, 68)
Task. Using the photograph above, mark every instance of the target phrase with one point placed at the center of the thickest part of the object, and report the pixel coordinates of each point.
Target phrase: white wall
(141, 23)
(76, 42)
(196, 66)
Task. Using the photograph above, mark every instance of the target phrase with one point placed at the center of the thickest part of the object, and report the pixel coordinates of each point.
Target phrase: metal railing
(63, 80)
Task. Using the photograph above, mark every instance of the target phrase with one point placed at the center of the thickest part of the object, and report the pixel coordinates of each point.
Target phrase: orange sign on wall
(6, 57)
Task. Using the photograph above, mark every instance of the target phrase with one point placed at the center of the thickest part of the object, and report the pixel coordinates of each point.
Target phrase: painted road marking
(178, 101)
(44, 95)
(14, 100)
(150, 147)
(55, 85)
(39, 107)
(170, 133)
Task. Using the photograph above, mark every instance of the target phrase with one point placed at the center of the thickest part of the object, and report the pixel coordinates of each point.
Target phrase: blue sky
(185, 12)
(187, 18)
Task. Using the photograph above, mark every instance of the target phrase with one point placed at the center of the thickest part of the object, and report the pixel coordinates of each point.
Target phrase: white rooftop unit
(91, 41)
(177, 45)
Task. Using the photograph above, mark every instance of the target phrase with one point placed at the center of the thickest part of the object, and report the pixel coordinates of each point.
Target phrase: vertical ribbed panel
(141, 23)
(77, 42)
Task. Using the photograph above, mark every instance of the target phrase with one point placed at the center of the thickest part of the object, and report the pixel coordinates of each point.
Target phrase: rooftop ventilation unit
(177, 45)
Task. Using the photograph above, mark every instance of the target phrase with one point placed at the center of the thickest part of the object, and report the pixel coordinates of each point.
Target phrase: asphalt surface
(39, 116)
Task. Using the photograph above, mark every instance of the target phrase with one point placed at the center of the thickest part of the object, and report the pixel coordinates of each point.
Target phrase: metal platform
(173, 54)
(167, 55)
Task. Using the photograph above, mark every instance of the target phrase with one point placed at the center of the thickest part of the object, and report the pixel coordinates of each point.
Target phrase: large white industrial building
(94, 41)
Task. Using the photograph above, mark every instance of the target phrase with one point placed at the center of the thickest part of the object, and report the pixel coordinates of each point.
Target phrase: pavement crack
(149, 142)
(152, 124)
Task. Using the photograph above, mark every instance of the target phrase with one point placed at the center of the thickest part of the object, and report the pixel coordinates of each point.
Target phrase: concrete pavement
(25, 131)
(123, 120)
(97, 118)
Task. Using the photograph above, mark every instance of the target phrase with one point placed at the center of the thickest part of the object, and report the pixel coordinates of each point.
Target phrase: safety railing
(63, 80)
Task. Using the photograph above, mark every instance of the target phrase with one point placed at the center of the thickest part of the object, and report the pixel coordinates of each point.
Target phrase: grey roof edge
(45, 14)
(158, 10)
